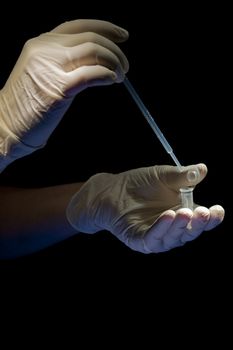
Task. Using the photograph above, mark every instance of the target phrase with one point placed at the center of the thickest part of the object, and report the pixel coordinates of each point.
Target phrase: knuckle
(91, 47)
(91, 37)
(29, 44)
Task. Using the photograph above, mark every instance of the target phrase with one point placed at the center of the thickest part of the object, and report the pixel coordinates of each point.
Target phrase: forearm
(33, 219)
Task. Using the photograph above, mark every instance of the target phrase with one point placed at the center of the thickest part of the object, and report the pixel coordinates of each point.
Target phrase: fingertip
(168, 215)
(202, 213)
(120, 75)
(201, 209)
(202, 169)
(121, 34)
(113, 76)
(185, 213)
(88, 76)
(218, 211)
(216, 217)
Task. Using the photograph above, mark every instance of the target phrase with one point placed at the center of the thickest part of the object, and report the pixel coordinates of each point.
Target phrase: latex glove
(141, 208)
(50, 71)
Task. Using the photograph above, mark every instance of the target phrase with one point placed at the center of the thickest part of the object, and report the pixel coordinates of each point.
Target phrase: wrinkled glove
(50, 71)
(141, 208)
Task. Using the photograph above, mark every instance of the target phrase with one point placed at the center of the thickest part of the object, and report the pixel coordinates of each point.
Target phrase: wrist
(10, 150)
(86, 210)
(11, 147)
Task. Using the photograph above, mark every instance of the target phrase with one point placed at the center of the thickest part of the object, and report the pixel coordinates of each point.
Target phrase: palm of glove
(141, 208)
(140, 199)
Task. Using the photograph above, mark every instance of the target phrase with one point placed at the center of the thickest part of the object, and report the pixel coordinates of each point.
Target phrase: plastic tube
(192, 176)
(151, 121)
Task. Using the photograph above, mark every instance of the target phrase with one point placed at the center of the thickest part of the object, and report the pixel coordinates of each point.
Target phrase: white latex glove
(141, 208)
(50, 71)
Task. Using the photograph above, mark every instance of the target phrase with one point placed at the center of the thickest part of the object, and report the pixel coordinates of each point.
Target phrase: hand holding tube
(141, 207)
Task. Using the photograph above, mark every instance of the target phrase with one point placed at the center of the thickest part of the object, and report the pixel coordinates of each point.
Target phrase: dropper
(187, 192)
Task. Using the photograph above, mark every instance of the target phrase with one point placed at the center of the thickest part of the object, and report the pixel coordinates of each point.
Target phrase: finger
(175, 179)
(107, 29)
(172, 238)
(199, 221)
(153, 238)
(75, 40)
(217, 214)
(88, 76)
(89, 54)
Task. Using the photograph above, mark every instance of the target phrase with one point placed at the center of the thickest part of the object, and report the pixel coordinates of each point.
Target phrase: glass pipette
(186, 193)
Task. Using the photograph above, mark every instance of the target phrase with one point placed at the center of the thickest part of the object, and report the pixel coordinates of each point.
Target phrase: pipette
(186, 193)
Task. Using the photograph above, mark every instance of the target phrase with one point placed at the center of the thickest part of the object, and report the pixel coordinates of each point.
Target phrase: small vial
(187, 192)
(187, 197)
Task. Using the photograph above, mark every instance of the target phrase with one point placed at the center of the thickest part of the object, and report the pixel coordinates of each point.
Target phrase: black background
(180, 65)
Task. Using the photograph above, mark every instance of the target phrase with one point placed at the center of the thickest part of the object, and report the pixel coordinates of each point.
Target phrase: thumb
(175, 178)
(87, 76)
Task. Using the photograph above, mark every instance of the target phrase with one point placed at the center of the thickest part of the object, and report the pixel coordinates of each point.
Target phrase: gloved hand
(141, 207)
(50, 71)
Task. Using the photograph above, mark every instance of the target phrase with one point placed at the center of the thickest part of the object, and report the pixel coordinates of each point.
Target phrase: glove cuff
(10, 150)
